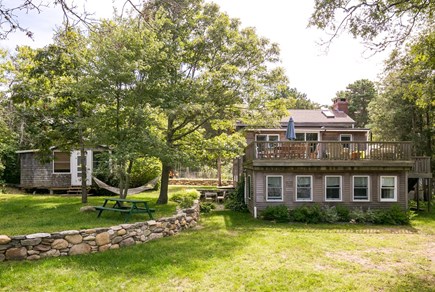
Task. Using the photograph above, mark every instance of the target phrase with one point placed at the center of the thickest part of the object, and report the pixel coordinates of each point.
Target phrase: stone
(16, 253)
(89, 238)
(81, 248)
(121, 232)
(151, 222)
(31, 241)
(5, 246)
(104, 247)
(117, 239)
(127, 242)
(89, 231)
(102, 238)
(33, 257)
(69, 232)
(114, 246)
(42, 247)
(50, 253)
(146, 232)
(2, 257)
(87, 209)
(4, 239)
(59, 244)
(74, 238)
(116, 228)
(158, 230)
(32, 252)
(155, 236)
(38, 235)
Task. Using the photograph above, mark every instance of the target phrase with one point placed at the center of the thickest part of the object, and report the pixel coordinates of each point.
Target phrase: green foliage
(330, 214)
(144, 170)
(359, 94)
(307, 214)
(278, 213)
(185, 198)
(206, 207)
(343, 213)
(236, 200)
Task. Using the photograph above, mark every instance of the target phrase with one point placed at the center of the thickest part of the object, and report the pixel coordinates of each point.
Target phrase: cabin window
(274, 191)
(345, 137)
(304, 188)
(249, 187)
(333, 188)
(361, 188)
(61, 162)
(388, 188)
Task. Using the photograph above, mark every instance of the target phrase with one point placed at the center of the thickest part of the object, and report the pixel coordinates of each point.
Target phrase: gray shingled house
(330, 162)
(63, 172)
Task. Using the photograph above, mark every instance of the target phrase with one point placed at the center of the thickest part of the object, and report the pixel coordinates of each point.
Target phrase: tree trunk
(126, 184)
(163, 197)
(83, 174)
(219, 170)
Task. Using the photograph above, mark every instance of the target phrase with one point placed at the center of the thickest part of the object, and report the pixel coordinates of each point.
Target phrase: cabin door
(76, 169)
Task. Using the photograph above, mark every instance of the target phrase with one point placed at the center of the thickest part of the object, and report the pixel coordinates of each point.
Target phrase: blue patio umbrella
(290, 133)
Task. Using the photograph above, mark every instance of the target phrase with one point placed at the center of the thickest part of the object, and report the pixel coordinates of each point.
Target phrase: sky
(309, 68)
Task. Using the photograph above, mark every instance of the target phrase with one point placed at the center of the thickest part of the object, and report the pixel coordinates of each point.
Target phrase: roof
(321, 118)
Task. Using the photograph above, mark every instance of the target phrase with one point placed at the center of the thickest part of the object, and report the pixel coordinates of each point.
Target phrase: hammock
(149, 186)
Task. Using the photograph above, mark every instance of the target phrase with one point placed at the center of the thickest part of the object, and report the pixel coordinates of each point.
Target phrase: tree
(359, 94)
(52, 94)
(379, 23)
(407, 96)
(207, 69)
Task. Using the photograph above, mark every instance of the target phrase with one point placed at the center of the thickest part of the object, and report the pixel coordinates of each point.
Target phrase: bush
(278, 213)
(206, 207)
(358, 215)
(343, 213)
(185, 198)
(307, 214)
(235, 201)
(330, 214)
(395, 216)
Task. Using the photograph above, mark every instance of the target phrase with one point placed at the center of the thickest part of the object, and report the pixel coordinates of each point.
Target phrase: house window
(308, 137)
(361, 188)
(333, 188)
(304, 189)
(249, 187)
(388, 188)
(274, 191)
(345, 137)
(61, 162)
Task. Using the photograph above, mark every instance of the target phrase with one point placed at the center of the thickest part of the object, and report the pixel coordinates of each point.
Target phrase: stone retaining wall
(73, 242)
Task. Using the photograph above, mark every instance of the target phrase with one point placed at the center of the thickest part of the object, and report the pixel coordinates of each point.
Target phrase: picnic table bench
(131, 207)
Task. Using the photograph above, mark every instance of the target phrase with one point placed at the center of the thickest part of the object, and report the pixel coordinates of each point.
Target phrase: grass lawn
(233, 252)
(25, 214)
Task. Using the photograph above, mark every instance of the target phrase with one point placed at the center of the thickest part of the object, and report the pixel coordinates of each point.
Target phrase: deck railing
(421, 165)
(329, 150)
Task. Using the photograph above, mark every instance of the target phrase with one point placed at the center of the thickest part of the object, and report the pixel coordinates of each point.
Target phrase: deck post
(429, 189)
(417, 195)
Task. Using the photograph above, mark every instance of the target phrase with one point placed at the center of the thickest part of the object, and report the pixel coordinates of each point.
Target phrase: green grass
(234, 252)
(25, 214)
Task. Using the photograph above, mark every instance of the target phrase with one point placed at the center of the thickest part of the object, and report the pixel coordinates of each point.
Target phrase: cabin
(328, 161)
(62, 172)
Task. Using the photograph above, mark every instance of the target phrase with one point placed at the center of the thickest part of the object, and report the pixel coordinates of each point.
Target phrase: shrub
(278, 213)
(307, 214)
(235, 201)
(330, 214)
(343, 213)
(395, 216)
(185, 198)
(358, 215)
(206, 207)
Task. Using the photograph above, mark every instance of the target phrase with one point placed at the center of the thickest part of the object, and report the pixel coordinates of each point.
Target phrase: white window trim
(395, 189)
(346, 135)
(282, 189)
(267, 137)
(309, 132)
(341, 189)
(368, 189)
(248, 187)
(52, 164)
(311, 189)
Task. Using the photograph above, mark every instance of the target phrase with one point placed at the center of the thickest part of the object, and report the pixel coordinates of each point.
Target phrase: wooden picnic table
(126, 206)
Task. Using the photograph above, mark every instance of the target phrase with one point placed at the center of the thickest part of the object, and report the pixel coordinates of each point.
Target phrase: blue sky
(309, 68)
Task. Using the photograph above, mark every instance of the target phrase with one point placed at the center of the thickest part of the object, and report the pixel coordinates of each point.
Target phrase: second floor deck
(330, 153)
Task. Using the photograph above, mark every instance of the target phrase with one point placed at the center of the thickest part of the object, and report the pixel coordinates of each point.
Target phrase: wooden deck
(338, 154)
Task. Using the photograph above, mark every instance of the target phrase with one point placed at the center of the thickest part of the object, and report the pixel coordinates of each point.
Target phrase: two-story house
(329, 162)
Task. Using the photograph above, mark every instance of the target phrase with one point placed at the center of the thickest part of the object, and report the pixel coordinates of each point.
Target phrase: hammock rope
(148, 186)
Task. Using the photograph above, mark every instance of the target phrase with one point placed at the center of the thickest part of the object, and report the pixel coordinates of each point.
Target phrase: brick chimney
(341, 104)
